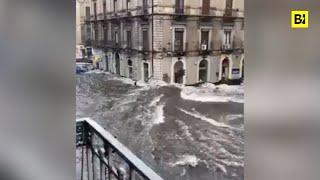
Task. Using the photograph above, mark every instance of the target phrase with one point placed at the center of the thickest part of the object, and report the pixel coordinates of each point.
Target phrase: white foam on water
(156, 100)
(159, 115)
(213, 93)
(230, 163)
(185, 130)
(228, 154)
(187, 160)
(221, 167)
(209, 120)
(124, 80)
(96, 71)
(232, 117)
(194, 96)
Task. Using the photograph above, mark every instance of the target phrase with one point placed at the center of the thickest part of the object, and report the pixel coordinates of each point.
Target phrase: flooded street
(179, 138)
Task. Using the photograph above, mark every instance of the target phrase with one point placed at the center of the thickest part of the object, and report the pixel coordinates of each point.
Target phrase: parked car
(82, 68)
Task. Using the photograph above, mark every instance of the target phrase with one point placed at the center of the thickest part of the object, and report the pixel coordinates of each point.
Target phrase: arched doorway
(130, 69)
(145, 71)
(179, 72)
(117, 63)
(225, 69)
(203, 71)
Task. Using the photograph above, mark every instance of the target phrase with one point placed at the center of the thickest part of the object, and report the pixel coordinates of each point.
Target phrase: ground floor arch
(130, 68)
(117, 58)
(225, 69)
(146, 73)
(203, 70)
(178, 70)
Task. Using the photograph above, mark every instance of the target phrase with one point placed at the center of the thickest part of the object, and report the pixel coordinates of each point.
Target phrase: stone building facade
(177, 41)
(83, 26)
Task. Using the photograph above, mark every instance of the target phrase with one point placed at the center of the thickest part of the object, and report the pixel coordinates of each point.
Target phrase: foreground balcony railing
(104, 157)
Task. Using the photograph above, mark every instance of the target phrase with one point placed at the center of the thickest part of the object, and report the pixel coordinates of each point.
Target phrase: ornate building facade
(177, 41)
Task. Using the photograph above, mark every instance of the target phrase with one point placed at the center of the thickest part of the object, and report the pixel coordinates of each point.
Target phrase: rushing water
(178, 138)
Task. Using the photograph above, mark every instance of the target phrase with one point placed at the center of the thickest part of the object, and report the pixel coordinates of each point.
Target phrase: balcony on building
(113, 44)
(102, 43)
(143, 11)
(88, 42)
(127, 9)
(207, 13)
(87, 19)
(227, 48)
(100, 17)
(205, 48)
(181, 11)
(93, 18)
(82, 19)
(230, 15)
(180, 48)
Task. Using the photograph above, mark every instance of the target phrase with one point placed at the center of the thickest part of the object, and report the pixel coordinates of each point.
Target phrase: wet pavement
(180, 139)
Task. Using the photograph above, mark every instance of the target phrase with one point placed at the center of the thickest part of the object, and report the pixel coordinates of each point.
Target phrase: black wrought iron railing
(102, 156)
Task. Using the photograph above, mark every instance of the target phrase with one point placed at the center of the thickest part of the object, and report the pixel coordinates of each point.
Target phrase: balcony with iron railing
(231, 14)
(102, 156)
(113, 44)
(93, 17)
(82, 19)
(180, 49)
(205, 48)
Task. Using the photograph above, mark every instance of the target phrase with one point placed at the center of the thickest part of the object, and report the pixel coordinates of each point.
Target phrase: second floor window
(145, 4)
(178, 39)
(105, 34)
(205, 7)
(145, 39)
(116, 37)
(128, 5)
(227, 37)
(87, 13)
(95, 9)
(179, 6)
(205, 38)
(129, 39)
(229, 4)
(104, 8)
(115, 6)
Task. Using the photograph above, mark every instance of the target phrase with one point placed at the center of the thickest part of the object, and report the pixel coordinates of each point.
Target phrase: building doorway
(179, 72)
(203, 71)
(117, 63)
(107, 63)
(130, 69)
(145, 71)
(225, 70)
